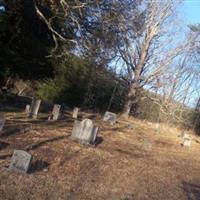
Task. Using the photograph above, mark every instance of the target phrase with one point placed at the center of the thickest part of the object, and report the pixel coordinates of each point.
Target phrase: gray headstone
(110, 117)
(20, 161)
(85, 132)
(2, 123)
(27, 109)
(56, 111)
(35, 105)
(75, 113)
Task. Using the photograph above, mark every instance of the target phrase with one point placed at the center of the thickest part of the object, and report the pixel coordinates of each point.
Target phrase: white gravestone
(187, 141)
(27, 109)
(55, 113)
(110, 117)
(20, 161)
(85, 132)
(75, 113)
(2, 123)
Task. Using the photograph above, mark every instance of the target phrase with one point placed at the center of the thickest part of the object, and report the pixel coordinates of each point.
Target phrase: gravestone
(35, 105)
(187, 142)
(2, 123)
(157, 127)
(85, 132)
(27, 109)
(55, 113)
(110, 117)
(75, 113)
(20, 161)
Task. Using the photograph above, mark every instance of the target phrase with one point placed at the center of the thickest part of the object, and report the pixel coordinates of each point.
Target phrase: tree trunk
(130, 100)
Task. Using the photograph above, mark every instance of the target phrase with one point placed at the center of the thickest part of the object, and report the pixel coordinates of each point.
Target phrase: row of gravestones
(32, 110)
(83, 131)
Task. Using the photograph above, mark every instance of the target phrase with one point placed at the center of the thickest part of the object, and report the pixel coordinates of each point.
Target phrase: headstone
(35, 105)
(20, 161)
(55, 113)
(27, 109)
(2, 123)
(110, 117)
(85, 132)
(75, 113)
(157, 127)
(187, 142)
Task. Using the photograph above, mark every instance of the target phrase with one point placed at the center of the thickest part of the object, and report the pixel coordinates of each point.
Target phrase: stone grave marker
(110, 117)
(75, 113)
(34, 108)
(2, 123)
(55, 113)
(27, 109)
(187, 141)
(85, 132)
(20, 161)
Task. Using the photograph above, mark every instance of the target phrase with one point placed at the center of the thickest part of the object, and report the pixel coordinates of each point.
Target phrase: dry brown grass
(118, 168)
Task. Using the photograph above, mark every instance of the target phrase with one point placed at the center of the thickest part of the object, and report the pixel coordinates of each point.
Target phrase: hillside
(131, 160)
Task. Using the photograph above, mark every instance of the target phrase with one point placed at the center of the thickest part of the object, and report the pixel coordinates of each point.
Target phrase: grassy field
(118, 167)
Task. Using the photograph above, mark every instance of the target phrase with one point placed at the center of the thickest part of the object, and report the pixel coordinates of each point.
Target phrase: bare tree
(145, 50)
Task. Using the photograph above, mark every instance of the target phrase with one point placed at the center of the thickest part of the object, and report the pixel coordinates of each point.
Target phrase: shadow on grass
(9, 131)
(98, 140)
(192, 191)
(36, 145)
(38, 165)
(3, 145)
(2, 157)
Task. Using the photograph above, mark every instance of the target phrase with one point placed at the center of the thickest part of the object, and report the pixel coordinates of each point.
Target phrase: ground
(118, 167)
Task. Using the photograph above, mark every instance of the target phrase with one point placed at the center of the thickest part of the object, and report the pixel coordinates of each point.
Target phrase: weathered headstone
(187, 141)
(2, 123)
(27, 109)
(35, 105)
(20, 161)
(55, 113)
(85, 132)
(75, 113)
(110, 117)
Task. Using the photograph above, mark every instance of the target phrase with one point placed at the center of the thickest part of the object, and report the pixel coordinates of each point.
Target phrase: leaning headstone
(85, 132)
(110, 117)
(27, 109)
(35, 105)
(75, 113)
(2, 123)
(55, 113)
(20, 161)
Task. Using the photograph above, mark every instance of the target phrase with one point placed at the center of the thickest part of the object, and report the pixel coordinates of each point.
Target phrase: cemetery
(52, 159)
(99, 100)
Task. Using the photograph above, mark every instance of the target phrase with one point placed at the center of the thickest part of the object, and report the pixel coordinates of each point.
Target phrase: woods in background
(124, 56)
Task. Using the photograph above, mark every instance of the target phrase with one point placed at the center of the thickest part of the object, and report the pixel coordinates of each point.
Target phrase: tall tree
(144, 46)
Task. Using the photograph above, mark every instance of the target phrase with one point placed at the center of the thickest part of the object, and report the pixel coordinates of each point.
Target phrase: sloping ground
(118, 167)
